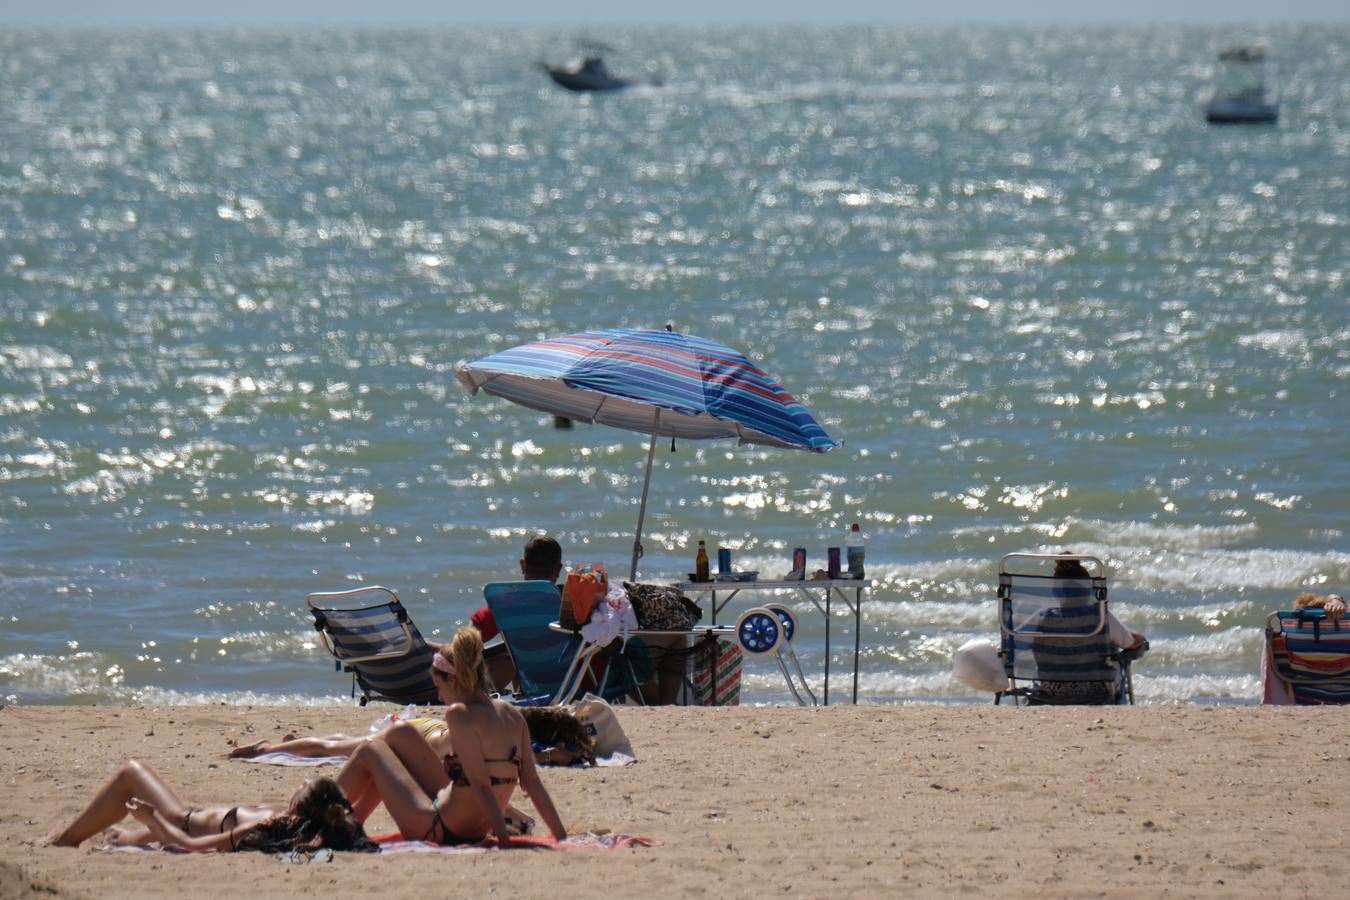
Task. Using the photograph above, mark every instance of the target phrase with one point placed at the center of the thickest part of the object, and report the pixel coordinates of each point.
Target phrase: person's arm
(533, 785)
(469, 750)
(1121, 636)
(170, 835)
(1334, 606)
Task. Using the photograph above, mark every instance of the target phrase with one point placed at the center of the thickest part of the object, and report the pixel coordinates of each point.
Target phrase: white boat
(1239, 94)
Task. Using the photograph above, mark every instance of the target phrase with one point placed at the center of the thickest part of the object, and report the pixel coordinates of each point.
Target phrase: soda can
(723, 560)
(833, 569)
(799, 562)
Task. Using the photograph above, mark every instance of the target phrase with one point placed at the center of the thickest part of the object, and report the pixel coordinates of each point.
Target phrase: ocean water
(1042, 302)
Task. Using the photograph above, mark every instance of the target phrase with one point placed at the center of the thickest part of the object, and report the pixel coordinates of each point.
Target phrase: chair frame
(1120, 688)
(582, 653)
(320, 603)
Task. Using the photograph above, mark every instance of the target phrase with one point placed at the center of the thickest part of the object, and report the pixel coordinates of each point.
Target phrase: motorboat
(591, 74)
(1239, 94)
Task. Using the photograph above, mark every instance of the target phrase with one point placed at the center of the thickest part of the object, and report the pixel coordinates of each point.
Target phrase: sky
(691, 12)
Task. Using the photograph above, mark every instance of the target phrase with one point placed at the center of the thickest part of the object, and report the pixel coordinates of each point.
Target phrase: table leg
(857, 639)
(828, 592)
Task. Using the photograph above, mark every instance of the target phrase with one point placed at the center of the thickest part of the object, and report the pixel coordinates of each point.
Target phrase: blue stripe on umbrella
(657, 368)
(627, 377)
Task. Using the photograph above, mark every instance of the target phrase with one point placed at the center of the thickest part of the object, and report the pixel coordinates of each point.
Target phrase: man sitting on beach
(1121, 636)
(653, 660)
(541, 561)
(977, 663)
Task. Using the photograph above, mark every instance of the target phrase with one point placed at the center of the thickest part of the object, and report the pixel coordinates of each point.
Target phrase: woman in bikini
(460, 798)
(432, 729)
(318, 815)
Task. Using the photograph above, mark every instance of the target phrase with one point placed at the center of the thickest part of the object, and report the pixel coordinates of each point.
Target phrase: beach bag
(600, 722)
(713, 674)
(662, 608)
(977, 665)
(583, 589)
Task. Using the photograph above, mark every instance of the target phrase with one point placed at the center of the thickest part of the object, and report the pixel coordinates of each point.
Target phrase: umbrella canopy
(661, 383)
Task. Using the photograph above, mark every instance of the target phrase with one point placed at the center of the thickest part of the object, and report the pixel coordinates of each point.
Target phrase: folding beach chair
(377, 643)
(1311, 654)
(549, 665)
(1055, 638)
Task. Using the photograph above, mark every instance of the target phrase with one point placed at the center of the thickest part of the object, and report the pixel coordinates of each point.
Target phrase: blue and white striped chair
(1055, 635)
(377, 643)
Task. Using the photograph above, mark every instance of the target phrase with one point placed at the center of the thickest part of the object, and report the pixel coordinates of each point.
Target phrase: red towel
(395, 842)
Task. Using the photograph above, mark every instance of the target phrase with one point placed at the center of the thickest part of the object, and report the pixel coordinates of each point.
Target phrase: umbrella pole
(642, 508)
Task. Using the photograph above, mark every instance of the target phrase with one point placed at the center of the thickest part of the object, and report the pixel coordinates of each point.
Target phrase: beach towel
(290, 759)
(394, 843)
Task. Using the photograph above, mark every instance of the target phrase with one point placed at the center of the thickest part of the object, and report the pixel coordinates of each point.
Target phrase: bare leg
(402, 771)
(502, 671)
(669, 665)
(109, 806)
(312, 747)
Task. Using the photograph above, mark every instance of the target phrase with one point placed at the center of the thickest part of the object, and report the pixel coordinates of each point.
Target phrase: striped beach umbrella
(661, 383)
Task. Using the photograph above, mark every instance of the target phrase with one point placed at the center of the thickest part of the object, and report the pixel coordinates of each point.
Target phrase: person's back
(541, 561)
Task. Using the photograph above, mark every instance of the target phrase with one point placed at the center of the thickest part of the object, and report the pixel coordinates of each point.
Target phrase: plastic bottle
(701, 563)
(856, 553)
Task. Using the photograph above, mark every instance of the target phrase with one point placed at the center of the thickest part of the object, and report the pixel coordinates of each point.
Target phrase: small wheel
(759, 631)
(788, 617)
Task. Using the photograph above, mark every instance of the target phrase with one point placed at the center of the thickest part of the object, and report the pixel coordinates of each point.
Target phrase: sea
(1041, 302)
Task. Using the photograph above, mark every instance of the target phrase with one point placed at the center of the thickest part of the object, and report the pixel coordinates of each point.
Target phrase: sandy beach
(844, 801)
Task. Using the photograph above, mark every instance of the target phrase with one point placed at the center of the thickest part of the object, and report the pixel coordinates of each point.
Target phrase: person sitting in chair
(977, 663)
(541, 561)
(1274, 689)
(1121, 637)
(655, 662)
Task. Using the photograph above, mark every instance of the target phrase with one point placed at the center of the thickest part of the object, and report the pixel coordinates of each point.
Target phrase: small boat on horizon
(1239, 94)
(591, 74)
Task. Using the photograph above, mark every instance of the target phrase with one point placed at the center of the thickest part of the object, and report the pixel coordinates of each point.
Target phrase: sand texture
(756, 802)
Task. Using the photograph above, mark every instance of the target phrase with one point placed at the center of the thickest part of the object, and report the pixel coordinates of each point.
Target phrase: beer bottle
(701, 563)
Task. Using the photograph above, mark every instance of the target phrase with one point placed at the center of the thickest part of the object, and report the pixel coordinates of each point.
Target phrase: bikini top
(455, 770)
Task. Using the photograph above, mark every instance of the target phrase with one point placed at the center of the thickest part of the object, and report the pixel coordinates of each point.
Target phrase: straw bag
(583, 589)
(662, 608)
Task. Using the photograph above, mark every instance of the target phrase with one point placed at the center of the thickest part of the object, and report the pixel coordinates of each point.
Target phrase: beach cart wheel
(788, 617)
(759, 631)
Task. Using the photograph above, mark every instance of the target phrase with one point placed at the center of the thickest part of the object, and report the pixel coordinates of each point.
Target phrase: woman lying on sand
(318, 815)
(566, 739)
(432, 728)
(460, 798)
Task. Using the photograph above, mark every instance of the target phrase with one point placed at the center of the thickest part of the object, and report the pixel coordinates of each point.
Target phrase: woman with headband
(460, 798)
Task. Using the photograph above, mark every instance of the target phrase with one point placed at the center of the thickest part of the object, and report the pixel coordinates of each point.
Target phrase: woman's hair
(465, 653)
(1308, 598)
(322, 818)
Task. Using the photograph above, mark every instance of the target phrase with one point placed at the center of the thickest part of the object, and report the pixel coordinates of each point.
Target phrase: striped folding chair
(1311, 654)
(376, 642)
(1055, 640)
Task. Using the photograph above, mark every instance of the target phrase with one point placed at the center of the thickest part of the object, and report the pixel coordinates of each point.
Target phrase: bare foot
(248, 751)
(52, 840)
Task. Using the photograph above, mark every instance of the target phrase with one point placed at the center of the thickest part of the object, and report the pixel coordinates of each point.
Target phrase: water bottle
(856, 553)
